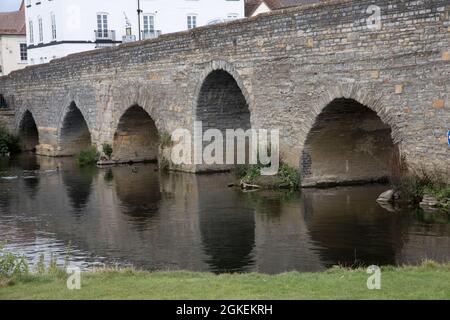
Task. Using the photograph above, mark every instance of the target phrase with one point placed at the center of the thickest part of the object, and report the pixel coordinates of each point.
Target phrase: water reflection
(227, 226)
(136, 215)
(78, 183)
(137, 187)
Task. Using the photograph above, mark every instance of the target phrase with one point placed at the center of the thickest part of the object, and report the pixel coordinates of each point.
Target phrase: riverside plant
(107, 150)
(88, 157)
(287, 176)
(9, 144)
(413, 187)
(13, 266)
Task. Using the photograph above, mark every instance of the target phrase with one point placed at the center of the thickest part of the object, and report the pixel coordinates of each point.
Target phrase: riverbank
(428, 281)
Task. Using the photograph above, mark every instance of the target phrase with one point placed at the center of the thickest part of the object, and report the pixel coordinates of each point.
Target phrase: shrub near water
(8, 142)
(88, 157)
(12, 265)
(287, 176)
(107, 150)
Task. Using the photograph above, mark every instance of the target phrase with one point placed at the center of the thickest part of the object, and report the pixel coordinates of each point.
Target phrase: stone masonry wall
(289, 65)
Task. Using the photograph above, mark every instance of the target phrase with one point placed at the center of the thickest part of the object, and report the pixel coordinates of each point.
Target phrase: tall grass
(413, 185)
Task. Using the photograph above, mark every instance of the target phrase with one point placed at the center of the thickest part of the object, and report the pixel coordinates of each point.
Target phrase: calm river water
(133, 215)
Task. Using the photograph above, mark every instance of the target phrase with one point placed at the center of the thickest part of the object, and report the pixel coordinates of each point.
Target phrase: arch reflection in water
(227, 231)
(350, 228)
(78, 183)
(191, 222)
(138, 189)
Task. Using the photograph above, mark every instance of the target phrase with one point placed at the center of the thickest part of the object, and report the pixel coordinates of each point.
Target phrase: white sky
(9, 5)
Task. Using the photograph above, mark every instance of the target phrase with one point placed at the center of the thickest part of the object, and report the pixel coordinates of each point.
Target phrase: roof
(13, 23)
(252, 5)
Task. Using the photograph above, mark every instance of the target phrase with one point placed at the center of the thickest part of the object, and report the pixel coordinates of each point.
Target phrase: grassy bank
(429, 281)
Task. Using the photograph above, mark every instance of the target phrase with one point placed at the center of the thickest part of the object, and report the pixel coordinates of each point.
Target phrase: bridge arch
(73, 134)
(28, 132)
(349, 142)
(222, 101)
(136, 138)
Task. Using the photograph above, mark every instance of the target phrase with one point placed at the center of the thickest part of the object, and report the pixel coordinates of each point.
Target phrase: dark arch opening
(222, 105)
(75, 135)
(136, 138)
(28, 132)
(3, 103)
(348, 144)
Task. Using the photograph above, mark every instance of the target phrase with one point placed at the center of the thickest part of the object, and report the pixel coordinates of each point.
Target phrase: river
(137, 216)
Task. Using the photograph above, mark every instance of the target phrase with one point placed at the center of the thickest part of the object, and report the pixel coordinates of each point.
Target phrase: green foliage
(442, 193)
(164, 165)
(413, 187)
(88, 157)
(107, 150)
(40, 266)
(8, 142)
(53, 265)
(240, 171)
(12, 265)
(165, 140)
(289, 176)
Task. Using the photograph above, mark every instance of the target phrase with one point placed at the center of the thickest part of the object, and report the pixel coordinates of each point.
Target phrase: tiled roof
(13, 22)
(252, 5)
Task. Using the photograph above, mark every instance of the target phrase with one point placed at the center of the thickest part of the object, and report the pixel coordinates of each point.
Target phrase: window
(191, 21)
(23, 52)
(149, 23)
(102, 25)
(41, 31)
(30, 31)
(53, 20)
(232, 16)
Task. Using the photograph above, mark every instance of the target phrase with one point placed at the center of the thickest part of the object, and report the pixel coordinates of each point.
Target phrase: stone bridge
(353, 97)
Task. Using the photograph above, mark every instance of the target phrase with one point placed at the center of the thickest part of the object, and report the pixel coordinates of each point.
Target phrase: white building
(56, 28)
(257, 7)
(13, 43)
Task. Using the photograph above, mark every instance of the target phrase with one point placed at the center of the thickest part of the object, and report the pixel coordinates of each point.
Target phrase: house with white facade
(56, 28)
(13, 43)
(256, 7)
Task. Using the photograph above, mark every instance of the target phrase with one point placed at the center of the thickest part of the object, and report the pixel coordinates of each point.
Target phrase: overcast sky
(9, 5)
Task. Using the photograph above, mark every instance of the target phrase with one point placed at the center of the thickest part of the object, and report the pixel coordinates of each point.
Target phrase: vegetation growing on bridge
(287, 177)
(107, 150)
(9, 143)
(88, 157)
(413, 187)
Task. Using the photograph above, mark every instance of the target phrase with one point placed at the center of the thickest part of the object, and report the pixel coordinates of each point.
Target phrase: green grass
(429, 281)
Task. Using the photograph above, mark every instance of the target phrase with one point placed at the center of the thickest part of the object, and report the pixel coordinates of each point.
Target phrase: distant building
(255, 7)
(58, 28)
(13, 42)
